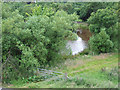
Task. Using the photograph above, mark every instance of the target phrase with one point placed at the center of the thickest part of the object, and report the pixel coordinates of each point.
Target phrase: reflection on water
(77, 46)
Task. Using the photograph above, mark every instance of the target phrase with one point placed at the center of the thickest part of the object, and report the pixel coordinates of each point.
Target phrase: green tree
(42, 10)
(35, 42)
(100, 43)
(85, 9)
(105, 19)
(18, 60)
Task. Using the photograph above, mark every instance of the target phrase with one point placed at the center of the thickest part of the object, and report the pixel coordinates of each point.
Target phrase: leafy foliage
(17, 57)
(10, 7)
(68, 7)
(85, 9)
(101, 43)
(107, 20)
(103, 18)
(39, 10)
(33, 43)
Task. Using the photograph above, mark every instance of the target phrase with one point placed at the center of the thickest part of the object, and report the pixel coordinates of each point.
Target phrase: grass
(84, 71)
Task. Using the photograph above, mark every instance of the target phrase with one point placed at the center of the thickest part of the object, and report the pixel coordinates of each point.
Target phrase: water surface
(77, 46)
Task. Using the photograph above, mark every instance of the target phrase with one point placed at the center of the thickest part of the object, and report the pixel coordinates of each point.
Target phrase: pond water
(81, 43)
(77, 46)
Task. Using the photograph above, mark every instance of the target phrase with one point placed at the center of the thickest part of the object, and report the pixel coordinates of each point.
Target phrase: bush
(85, 9)
(33, 43)
(39, 10)
(10, 7)
(107, 20)
(18, 59)
(100, 43)
(71, 36)
(103, 18)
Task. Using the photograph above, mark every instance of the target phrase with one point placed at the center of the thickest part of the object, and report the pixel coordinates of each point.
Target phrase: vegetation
(83, 72)
(104, 19)
(101, 43)
(37, 41)
(34, 35)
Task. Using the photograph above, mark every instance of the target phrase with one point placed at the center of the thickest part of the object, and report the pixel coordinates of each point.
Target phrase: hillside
(83, 71)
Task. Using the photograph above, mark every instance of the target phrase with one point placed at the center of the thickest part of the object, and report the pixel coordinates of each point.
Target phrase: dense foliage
(84, 10)
(101, 43)
(34, 42)
(107, 20)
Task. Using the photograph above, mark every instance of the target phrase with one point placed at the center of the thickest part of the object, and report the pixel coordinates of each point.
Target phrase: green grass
(85, 71)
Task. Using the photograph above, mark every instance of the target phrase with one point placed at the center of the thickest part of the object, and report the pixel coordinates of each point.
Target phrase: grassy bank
(83, 71)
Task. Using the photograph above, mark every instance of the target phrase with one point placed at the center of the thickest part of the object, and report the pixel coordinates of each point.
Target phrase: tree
(18, 60)
(100, 43)
(42, 10)
(105, 19)
(85, 9)
(36, 42)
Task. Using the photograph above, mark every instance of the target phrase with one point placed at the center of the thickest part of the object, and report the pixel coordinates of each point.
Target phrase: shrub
(33, 43)
(104, 19)
(18, 59)
(39, 10)
(100, 43)
(84, 9)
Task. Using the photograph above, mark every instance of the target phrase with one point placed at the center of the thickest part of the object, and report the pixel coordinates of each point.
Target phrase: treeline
(33, 34)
